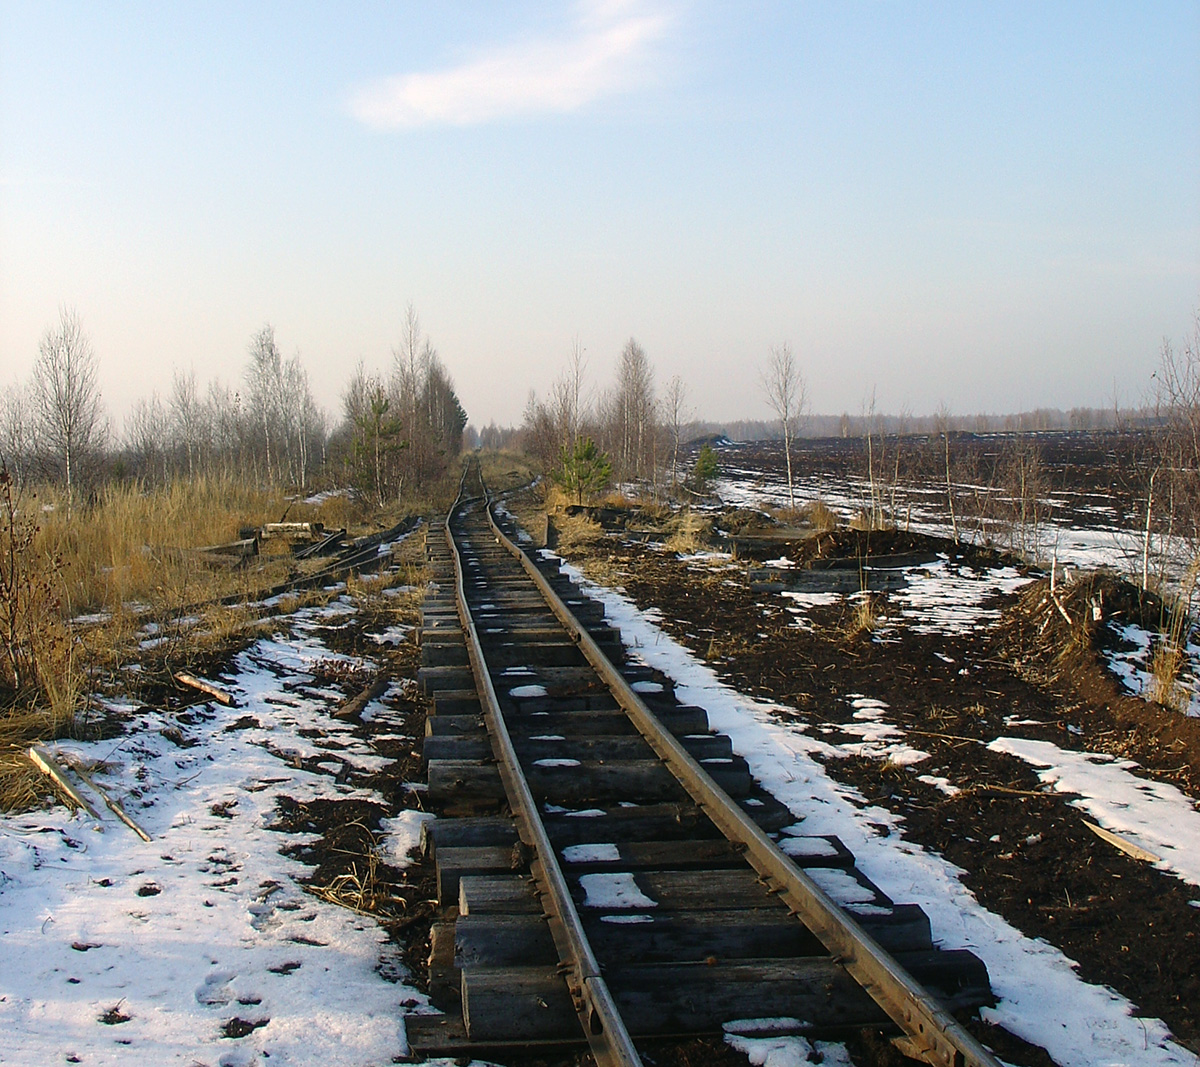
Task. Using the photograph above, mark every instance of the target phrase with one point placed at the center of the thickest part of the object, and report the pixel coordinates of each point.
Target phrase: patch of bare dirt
(1026, 853)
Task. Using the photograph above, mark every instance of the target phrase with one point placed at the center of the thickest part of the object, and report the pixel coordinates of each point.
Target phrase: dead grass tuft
(1169, 653)
(819, 516)
(555, 499)
(576, 531)
(688, 532)
(623, 501)
(866, 616)
(870, 522)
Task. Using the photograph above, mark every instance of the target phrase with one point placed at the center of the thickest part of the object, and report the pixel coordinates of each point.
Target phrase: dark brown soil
(1026, 853)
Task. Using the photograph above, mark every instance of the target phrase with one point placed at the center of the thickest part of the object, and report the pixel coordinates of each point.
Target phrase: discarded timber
(780, 579)
(228, 555)
(326, 546)
(218, 694)
(295, 530)
(1122, 844)
(111, 802)
(45, 762)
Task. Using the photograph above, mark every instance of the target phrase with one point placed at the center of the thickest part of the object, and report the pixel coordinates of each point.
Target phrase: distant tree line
(398, 432)
(847, 425)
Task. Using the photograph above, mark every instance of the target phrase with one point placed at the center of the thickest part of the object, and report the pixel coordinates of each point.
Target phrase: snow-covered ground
(200, 947)
(1153, 815)
(1104, 544)
(1040, 996)
(1133, 665)
(944, 599)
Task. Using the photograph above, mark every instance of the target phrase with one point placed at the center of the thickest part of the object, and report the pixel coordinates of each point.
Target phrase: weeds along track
(607, 868)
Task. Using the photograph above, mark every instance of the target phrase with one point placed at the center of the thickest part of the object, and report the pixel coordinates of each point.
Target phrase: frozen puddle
(200, 946)
(1153, 815)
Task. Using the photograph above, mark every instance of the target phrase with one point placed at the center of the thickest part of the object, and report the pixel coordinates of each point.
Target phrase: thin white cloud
(608, 51)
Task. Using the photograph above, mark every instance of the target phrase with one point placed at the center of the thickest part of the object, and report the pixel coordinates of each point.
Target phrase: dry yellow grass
(112, 559)
(689, 532)
(503, 471)
(617, 499)
(1169, 653)
(819, 516)
(865, 617)
(113, 551)
(100, 572)
(576, 531)
(556, 499)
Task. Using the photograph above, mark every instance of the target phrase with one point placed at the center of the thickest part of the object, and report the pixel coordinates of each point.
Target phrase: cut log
(353, 707)
(218, 694)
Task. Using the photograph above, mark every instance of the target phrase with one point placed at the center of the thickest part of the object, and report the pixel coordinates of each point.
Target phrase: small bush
(583, 470)
(866, 617)
(706, 468)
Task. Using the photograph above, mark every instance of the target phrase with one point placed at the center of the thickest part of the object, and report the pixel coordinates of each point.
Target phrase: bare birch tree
(16, 444)
(674, 404)
(633, 412)
(264, 380)
(147, 435)
(66, 398)
(787, 395)
(942, 421)
(187, 416)
(566, 398)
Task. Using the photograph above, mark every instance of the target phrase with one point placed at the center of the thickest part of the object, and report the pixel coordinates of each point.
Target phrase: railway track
(607, 867)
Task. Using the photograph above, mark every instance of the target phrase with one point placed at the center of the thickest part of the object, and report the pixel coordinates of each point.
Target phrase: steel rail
(599, 1017)
(934, 1034)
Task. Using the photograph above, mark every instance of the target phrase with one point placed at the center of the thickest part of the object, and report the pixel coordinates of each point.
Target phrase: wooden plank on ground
(1124, 844)
(111, 802)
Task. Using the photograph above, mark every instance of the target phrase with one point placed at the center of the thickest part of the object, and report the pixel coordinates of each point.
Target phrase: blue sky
(991, 206)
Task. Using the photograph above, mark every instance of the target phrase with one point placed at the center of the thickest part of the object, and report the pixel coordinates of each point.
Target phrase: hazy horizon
(991, 209)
